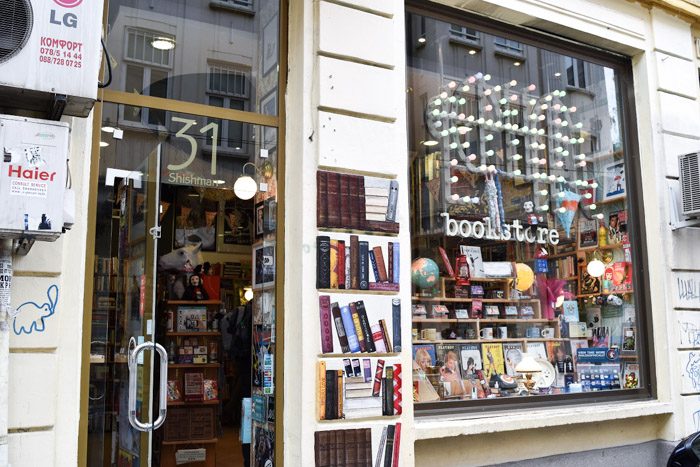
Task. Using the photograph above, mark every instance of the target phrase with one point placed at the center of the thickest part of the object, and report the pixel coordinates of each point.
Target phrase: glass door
(127, 401)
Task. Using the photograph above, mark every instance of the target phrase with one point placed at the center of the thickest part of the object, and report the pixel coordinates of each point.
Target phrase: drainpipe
(5, 286)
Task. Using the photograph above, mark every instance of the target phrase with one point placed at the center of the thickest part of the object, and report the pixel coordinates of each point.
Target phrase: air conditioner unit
(32, 177)
(689, 170)
(50, 49)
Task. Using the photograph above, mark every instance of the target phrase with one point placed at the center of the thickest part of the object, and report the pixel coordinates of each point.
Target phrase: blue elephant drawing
(30, 316)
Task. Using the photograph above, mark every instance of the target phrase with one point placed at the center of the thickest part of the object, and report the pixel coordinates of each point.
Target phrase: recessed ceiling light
(430, 143)
(163, 43)
(108, 129)
(103, 144)
(557, 74)
(237, 148)
(219, 182)
(421, 40)
(472, 52)
(516, 63)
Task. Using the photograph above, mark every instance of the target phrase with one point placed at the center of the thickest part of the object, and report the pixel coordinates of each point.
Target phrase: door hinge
(155, 232)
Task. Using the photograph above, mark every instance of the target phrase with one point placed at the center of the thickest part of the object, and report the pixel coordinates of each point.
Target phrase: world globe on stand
(425, 273)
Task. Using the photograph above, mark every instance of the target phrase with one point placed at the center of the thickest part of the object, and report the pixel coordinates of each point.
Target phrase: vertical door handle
(133, 384)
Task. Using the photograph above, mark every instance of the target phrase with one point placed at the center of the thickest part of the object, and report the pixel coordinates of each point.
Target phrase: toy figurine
(195, 289)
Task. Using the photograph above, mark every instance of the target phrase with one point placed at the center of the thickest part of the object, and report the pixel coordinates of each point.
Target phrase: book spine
(357, 201)
(338, 457)
(446, 262)
(339, 393)
(381, 265)
(395, 279)
(362, 203)
(348, 366)
(397, 389)
(340, 328)
(385, 336)
(363, 265)
(333, 185)
(378, 378)
(378, 339)
(393, 201)
(356, 370)
(364, 324)
(358, 327)
(367, 446)
(354, 262)
(396, 323)
(350, 447)
(323, 262)
(324, 302)
(322, 198)
(331, 407)
(341, 264)
(382, 226)
(389, 450)
(334, 264)
(390, 262)
(384, 286)
(349, 329)
(397, 445)
(373, 262)
(345, 201)
(388, 392)
(367, 366)
(348, 272)
(321, 390)
(380, 451)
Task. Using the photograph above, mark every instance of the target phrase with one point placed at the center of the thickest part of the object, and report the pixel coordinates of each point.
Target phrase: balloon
(525, 277)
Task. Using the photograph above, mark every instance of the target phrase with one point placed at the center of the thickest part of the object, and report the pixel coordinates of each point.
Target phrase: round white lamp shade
(248, 294)
(595, 268)
(245, 187)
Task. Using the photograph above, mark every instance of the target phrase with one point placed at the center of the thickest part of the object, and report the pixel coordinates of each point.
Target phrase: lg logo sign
(69, 20)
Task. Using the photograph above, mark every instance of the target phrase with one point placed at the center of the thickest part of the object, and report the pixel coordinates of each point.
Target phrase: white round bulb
(455, 197)
(245, 187)
(454, 162)
(517, 172)
(437, 102)
(595, 268)
(562, 209)
(443, 95)
(454, 179)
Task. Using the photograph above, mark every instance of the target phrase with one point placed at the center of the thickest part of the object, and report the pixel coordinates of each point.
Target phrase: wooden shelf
(469, 300)
(484, 279)
(611, 201)
(191, 441)
(193, 365)
(356, 231)
(615, 292)
(193, 302)
(179, 403)
(483, 320)
(194, 333)
(358, 354)
(615, 246)
(482, 341)
(359, 291)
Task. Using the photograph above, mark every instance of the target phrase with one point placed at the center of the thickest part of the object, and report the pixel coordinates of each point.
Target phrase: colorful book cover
(513, 354)
(630, 376)
(577, 344)
(448, 359)
(554, 352)
(537, 350)
(424, 355)
(493, 359)
(588, 233)
(470, 356)
(570, 311)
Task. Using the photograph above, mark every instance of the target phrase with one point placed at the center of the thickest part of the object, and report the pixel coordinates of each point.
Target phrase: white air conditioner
(50, 49)
(689, 170)
(32, 177)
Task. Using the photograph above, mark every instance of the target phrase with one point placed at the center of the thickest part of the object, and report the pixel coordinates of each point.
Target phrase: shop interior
(203, 290)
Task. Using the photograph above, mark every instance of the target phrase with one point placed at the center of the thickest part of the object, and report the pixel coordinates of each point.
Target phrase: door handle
(163, 389)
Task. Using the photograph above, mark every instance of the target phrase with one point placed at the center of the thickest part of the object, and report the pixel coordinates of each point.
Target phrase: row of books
(353, 448)
(106, 265)
(355, 393)
(356, 202)
(108, 283)
(565, 267)
(348, 266)
(353, 328)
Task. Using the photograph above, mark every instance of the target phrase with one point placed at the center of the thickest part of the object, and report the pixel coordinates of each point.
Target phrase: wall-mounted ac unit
(689, 171)
(50, 48)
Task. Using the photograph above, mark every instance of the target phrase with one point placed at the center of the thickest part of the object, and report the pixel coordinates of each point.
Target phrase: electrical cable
(109, 67)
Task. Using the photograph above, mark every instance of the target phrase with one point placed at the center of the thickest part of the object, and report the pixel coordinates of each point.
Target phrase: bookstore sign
(515, 231)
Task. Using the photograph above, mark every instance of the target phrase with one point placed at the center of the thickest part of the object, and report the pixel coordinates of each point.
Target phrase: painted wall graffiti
(687, 290)
(692, 369)
(30, 317)
(690, 334)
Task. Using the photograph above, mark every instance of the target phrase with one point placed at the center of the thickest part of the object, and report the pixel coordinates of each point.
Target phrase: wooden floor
(228, 449)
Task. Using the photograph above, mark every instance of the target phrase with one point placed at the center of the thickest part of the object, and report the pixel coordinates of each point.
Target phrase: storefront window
(523, 238)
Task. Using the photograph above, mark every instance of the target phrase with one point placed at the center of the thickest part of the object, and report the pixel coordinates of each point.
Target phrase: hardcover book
(322, 390)
(366, 328)
(424, 355)
(326, 326)
(396, 323)
(340, 328)
(358, 326)
(373, 262)
(397, 256)
(349, 326)
(334, 264)
(381, 265)
(354, 262)
(323, 262)
(363, 250)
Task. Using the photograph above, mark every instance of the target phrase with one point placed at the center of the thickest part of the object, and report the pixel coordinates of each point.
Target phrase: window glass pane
(186, 38)
(522, 242)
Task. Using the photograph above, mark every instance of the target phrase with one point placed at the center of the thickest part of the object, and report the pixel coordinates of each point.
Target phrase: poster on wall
(614, 181)
(238, 215)
(263, 265)
(195, 220)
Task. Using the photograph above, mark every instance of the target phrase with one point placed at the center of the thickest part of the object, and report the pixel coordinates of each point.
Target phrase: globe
(425, 273)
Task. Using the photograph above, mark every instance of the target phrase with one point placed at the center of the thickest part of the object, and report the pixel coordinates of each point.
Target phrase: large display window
(525, 245)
